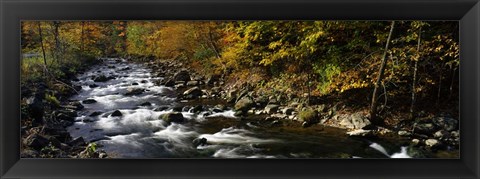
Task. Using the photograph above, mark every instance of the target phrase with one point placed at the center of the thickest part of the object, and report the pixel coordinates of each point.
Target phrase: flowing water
(139, 133)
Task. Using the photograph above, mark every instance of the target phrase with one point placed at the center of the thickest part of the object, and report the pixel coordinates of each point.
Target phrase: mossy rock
(308, 115)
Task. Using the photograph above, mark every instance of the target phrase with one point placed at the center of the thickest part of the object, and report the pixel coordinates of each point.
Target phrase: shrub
(51, 99)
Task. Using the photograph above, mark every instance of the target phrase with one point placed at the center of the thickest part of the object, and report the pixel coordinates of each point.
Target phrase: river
(139, 133)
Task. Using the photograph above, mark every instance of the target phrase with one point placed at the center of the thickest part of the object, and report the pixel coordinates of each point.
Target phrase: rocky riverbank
(428, 132)
(47, 112)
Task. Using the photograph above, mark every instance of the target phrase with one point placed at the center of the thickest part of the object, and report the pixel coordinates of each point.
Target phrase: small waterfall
(401, 154)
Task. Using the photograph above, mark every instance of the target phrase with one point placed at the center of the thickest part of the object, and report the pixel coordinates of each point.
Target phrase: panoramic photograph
(240, 89)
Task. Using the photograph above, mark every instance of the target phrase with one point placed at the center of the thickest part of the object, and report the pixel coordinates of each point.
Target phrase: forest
(395, 77)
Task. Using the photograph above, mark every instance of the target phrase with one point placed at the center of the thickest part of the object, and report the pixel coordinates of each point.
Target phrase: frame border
(13, 11)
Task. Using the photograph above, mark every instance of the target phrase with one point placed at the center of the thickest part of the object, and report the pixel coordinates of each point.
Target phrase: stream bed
(137, 131)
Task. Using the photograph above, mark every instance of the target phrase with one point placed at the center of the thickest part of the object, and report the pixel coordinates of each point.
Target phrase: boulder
(359, 120)
(146, 104)
(404, 133)
(36, 106)
(36, 141)
(89, 101)
(175, 117)
(170, 83)
(361, 133)
(449, 124)
(192, 93)
(192, 83)
(424, 128)
(134, 91)
(77, 105)
(182, 76)
(79, 141)
(134, 84)
(271, 108)
(197, 109)
(101, 78)
(244, 104)
(92, 86)
(161, 108)
(432, 143)
(95, 113)
(116, 113)
(199, 142)
(287, 110)
(144, 81)
(441, 134)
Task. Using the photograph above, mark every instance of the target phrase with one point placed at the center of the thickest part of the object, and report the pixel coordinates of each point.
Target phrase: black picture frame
(465, 11)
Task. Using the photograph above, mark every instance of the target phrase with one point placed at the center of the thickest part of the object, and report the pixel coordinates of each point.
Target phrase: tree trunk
(43, 49)
(414, 82)
(56, 25)
(373, 107)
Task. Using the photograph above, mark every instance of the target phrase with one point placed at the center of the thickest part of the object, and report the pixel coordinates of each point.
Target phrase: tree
(373, 107)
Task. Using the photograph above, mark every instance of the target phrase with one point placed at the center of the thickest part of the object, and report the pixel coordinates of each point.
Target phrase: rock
(29, 154)
(36, 106)
(424, 128)
(279, 116)
(212, 79)
(177, 108)
(244, 104)
(134, 91)
(404, 133)
(101, 78)
(197, 109)
(309, 116)
(89, 101)
(102, 155)
(135, 84)
(449, 124)
(441, 134)
(287, 110)
(192, 83)
(146, 104)
(170, 83)
(361, 132)
(271, 108)
(76, 104)
(161, 108)
(182, 76)
(415, 142)
(87, 120)
(92, 86)
(176, 117)
(65, 117)
(79, 141)
(95, 113)
(124, 69)
(276, 123)
(36, 141)
(199, 142)
(432, 143)
(116, 113)
(192, 93)
(359, 120)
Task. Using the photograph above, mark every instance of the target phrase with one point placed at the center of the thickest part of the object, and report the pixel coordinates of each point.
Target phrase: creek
(139, 133)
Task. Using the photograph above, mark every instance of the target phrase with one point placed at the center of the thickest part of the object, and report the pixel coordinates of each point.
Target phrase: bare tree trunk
(373, 107)
(414, 83)
(439, 92)
(212, 43)
(43, 49)
(56, 25)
